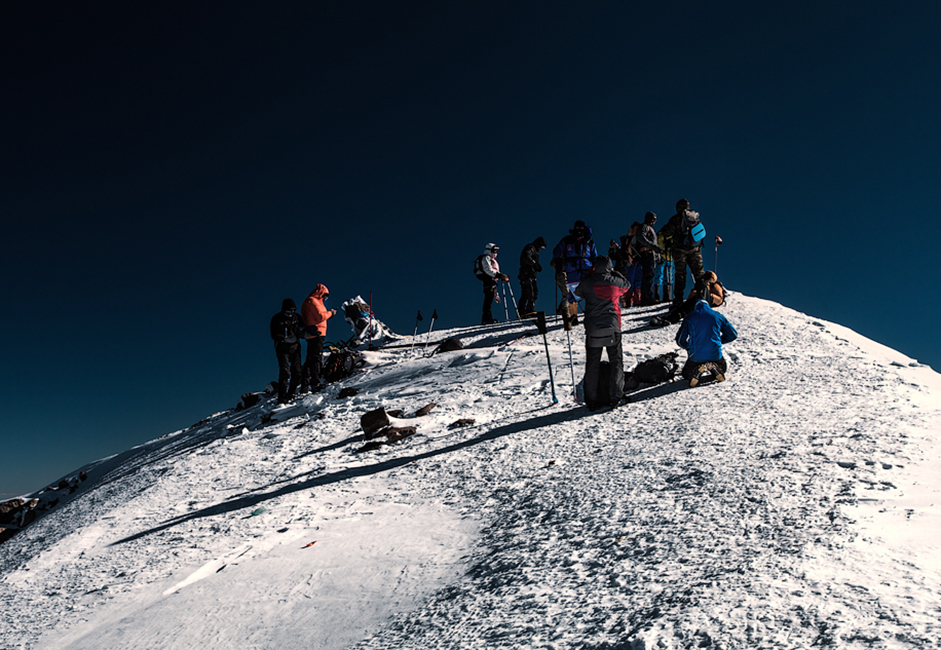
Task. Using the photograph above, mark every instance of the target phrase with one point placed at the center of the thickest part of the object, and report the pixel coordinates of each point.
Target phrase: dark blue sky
(171, 173)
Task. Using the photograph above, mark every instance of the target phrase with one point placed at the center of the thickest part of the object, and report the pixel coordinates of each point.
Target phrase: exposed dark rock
(463, 422)
(374, 421)
(349, 391)
(8, 509)
(425, 410)
(449, 345)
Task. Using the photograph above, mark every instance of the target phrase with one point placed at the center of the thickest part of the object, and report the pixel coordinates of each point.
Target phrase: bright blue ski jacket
(703, 332)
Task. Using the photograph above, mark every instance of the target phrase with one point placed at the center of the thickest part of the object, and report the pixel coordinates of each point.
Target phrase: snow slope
(794, 505)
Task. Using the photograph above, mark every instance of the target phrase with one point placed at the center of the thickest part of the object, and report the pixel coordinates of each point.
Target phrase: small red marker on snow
(309, 545)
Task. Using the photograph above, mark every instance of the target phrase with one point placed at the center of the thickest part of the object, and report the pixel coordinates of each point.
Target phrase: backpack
(290, 326)
(657, 370)
(691, 230)
(340, 364)
(479, 268)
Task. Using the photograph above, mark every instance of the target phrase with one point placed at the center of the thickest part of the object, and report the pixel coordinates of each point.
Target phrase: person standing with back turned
(602, 291)
(685, 251)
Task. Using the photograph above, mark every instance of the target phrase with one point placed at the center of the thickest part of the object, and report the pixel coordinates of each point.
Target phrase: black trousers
(289, 369)
(313, 363)
(593, 368)
(490, 290)
(529, 293)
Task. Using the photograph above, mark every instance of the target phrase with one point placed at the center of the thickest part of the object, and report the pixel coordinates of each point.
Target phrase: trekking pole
(415, 333)
(541, 325)
(370, 321)
(434, 317)
(568, 336)
(506, 310)
(515, 306)
(715, 267)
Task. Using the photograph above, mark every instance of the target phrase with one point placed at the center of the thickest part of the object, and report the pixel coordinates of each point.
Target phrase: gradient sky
(170, 173)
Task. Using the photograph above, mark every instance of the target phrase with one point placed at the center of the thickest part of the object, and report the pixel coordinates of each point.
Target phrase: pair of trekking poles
(434, 317)
(506, 310)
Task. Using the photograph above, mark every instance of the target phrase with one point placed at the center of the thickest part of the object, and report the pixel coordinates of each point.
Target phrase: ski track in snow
(793, 506)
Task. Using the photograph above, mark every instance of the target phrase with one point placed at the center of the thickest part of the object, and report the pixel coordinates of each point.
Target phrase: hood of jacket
(319, 292)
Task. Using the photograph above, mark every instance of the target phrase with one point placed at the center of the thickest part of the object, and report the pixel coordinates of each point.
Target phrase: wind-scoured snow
(794, 505)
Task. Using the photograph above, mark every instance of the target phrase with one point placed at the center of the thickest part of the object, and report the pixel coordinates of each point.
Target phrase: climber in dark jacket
(602, 291)
(529, 269)
(286, 332)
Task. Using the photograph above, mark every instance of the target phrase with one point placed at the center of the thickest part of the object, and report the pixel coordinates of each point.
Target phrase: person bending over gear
(602, 291)
(708, 288)
(702, 334)
(286, 330)
(315, 316)
(488, 270)
(572, 258)
(686, 252)
(529, 269)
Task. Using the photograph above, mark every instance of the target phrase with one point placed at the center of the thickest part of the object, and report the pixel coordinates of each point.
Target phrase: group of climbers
(639, 264)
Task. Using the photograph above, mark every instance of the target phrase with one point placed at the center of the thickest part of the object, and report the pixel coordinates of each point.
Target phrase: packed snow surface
(794, 505)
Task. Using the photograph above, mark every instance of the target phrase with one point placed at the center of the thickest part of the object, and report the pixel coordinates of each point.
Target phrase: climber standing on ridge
(286, 330)
(602, 291)
(315, 316)
(645, 243)
(529, 269)
(572, 258)
(487, 270)
(686, 252)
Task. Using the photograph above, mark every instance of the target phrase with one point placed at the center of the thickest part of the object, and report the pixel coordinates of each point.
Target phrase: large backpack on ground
(691, 230)
(340, 364)
(657, 370)
(479, 268)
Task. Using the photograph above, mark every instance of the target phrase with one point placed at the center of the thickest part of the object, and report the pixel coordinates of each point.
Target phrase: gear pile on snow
(356, 312)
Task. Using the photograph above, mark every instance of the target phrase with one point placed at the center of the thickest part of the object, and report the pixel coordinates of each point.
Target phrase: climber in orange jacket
(315, 316)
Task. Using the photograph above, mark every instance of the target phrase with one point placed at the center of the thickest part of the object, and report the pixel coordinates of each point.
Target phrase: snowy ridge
(794, 505)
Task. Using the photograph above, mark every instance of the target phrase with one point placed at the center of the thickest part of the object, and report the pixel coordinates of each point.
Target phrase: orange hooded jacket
(314, 313)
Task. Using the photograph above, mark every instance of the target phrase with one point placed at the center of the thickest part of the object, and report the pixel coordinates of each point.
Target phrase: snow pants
(648, 263)
(690, 367)
(593, 367)
(289, 370)
(529, 293)
(313, 363)
(682, 258)
(490, 291)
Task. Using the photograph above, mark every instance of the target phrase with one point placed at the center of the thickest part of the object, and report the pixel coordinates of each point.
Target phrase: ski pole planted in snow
(434, 317)
(415, 333)
(516, 307)
(506, 311)
(541, 324)
(568, 335)
(370, 321)
(715, 267)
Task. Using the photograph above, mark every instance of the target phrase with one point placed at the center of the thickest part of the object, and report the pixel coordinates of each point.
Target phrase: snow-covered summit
(794, 505)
